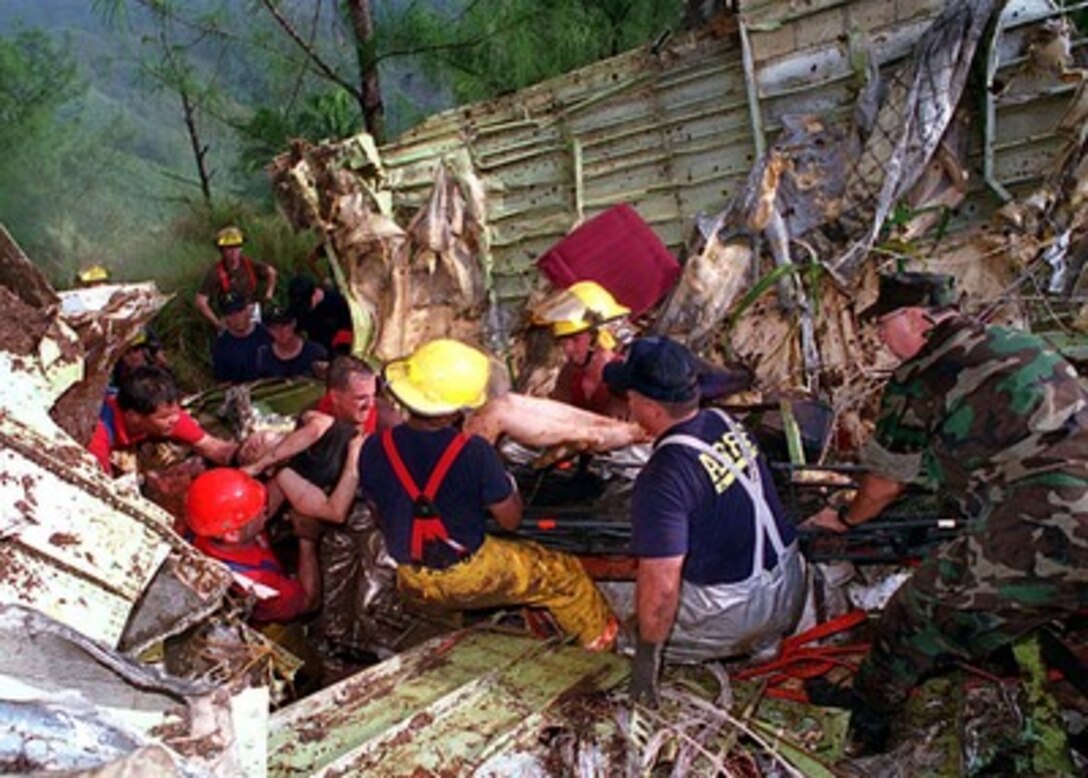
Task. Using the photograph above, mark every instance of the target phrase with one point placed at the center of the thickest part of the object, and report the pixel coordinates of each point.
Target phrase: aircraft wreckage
(782, 155)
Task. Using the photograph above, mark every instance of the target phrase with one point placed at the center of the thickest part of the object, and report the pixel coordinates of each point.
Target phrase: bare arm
(216, 449)
(541, 422)
(314, 426)
(309, 572)
(268, 295)
(658, 594)
(508, 512)
(206, 311)
(874, 495)
(310, 501)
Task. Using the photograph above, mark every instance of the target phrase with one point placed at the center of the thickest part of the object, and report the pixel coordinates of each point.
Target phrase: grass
(177, 255)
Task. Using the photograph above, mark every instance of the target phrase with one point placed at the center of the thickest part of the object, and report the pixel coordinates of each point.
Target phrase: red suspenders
(224, 277)
(426, 524)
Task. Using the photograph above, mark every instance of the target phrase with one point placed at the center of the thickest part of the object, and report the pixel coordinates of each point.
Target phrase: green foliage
(36, 78)
(46, 164)
(489, 48)
(329, 114)
(186, 257)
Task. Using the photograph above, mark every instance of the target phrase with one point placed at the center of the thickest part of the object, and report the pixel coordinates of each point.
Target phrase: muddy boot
(868, 732)
(869, 729)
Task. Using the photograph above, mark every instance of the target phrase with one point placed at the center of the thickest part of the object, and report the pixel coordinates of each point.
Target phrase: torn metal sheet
(70, 703)
(673, 131)
(459, 704)
(83, 550)
(65, 552)
(105, 319)
(411, 284)
(75, 544)
(918, 108)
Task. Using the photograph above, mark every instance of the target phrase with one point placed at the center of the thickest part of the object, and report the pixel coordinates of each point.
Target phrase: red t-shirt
(570, 388)
(111, 435)
(257, 563)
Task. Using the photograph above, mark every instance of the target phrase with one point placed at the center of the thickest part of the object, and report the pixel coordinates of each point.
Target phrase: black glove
(645, 670)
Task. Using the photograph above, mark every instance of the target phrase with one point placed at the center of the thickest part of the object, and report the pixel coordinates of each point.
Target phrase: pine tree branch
(438, 48)
(297, 89)
(308, 51)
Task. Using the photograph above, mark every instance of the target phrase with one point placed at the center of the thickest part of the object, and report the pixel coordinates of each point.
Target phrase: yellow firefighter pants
(505, 572)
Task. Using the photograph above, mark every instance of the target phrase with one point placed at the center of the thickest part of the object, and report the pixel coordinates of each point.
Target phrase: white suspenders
(765, 526)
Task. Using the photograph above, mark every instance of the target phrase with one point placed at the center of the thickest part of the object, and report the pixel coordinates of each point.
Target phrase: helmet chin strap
(605, 339)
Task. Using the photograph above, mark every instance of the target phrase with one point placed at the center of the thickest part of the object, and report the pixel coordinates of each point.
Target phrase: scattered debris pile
(849, 140)
(93, 580)
(869, 162)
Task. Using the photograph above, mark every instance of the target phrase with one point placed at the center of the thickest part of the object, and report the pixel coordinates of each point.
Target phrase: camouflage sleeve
(895, 449)
(903, 468)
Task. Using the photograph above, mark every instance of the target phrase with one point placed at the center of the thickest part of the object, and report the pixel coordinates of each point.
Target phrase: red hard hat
(222, 500)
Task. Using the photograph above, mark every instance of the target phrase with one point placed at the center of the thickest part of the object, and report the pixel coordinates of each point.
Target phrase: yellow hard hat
(581, 306)
(229, 236)
(440, 377)
(95, 274)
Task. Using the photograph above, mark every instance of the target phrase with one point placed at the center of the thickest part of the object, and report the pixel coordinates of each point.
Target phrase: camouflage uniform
(998, 424)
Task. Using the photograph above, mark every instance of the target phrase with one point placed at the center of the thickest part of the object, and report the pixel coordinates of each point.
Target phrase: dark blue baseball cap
(232, 302)
(658, 368)
(300, 293)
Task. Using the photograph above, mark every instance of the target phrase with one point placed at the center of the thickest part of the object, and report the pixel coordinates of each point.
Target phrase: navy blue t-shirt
(271, 366)
(476, 480)
(685, 502)
(234, 359)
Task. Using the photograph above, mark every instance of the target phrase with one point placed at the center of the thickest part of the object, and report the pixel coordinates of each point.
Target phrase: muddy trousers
(742, 618)
(916, 633)
(504, 572)
(358, 581)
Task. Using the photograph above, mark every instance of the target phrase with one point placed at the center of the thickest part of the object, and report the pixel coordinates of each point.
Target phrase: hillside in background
(103, 101)
(117, 198)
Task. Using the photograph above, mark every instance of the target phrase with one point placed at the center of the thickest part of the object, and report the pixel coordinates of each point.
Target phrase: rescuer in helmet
(94, 275)
(434, 487)
(234, 273)
(593, 330)
(589, 325)
(226, 511)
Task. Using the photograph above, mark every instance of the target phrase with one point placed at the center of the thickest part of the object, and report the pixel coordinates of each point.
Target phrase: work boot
(825, 694)
(868, 732)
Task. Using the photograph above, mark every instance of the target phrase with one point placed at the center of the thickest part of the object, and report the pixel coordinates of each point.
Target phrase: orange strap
(427, 527)
(799, 660)
(224, 277)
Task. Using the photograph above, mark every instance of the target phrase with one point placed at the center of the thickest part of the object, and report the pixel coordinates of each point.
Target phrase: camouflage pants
(1024, 565)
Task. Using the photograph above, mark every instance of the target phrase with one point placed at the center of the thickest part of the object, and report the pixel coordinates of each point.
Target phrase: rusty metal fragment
(457, 704)
(74, 544)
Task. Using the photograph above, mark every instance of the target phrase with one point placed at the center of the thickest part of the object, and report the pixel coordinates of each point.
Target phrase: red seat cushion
(619, 251)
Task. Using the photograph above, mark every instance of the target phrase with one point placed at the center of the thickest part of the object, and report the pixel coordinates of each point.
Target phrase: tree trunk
(200, 152)
(370, 90)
